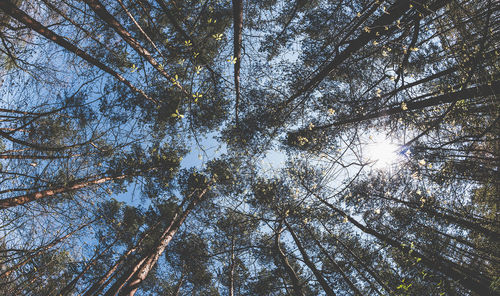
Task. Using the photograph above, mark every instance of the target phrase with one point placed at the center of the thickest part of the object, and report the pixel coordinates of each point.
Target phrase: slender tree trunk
(473, 92)
(140, 275)
(297, 288)
(237, 37)
(179, 284)
(42, 249)
(126, 276)
(132, 18)
(491, 255)
(20, 156)
(468, 279)
(363, 264)
(67, 289)
(101, 11)
(353, 287)
(38, 146)
(231, 270)
(26, 198)
(431, 211)
(398, 9)
(317, 274)
(98, 286)
(10, 9)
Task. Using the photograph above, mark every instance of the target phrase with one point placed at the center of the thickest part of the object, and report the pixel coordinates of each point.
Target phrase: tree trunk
(38, 146)
(468, 279)
(231, 270)
(238, 27)
(20, 156)
(98, 286)
(101, 11)
(317, 274)
(473, 92)
(297, 288)
(67, 289)
(79, 184)
(137, 277)
(398, 9)
(431, 211)
(10, 9)
(126, 276)
(179, 284)
(353, 287)
(42, 249)
(362, 262)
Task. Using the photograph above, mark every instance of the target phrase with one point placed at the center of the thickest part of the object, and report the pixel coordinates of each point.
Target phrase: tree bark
(20, 156)
(468, 279)
(126, 276)
(101, 11)
(297, 288)
(98, 286)
(231, 270)
(398, 9)
(317, 274)
(30, 197)
(42, 249)
(137, 277)
(10, 9)
(237, 37)
(473, 92)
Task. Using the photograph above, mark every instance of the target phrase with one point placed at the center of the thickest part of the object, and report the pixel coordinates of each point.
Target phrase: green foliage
(104, 104)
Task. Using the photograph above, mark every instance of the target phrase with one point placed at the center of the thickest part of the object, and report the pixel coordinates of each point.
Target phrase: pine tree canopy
(249, 147)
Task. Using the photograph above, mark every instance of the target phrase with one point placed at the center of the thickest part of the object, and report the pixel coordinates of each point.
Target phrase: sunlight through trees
(232, 147)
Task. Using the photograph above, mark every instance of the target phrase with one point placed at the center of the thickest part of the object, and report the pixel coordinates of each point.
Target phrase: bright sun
(381, 153)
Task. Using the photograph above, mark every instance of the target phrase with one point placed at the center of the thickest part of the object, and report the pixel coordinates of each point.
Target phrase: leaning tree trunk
(468, 279)
(13, 11)
(317, 274)
(339, 269)
(71, 285)
(141, 270)
(42, 249)
(102, 12)
(297, 289)
(79, 184)
(99, 285)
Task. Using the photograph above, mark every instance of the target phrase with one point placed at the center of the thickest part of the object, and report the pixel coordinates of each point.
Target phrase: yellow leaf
(232, 60)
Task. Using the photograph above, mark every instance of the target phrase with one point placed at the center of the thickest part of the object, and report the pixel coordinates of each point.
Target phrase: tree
(291, 107)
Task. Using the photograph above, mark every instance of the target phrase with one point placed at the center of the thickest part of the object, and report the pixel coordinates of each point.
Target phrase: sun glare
(382, 154)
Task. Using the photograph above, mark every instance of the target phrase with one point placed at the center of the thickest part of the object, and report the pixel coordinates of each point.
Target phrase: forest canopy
(257, 147)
